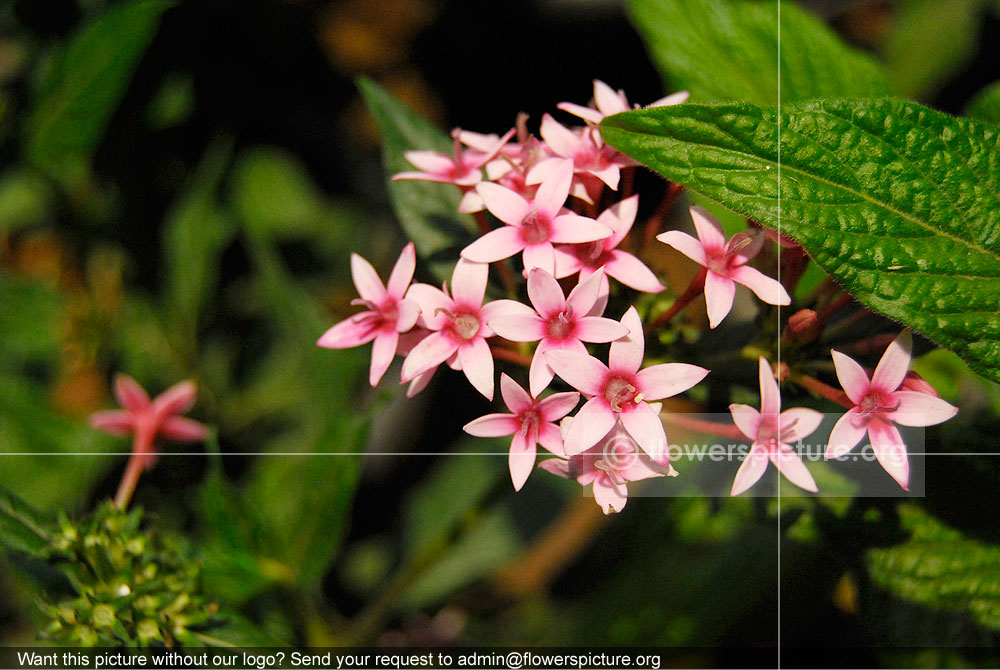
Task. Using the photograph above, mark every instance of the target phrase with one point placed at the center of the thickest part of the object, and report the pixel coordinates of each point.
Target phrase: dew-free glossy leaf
(900, 203)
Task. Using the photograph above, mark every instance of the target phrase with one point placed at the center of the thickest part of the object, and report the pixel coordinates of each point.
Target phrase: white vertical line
(779, 319)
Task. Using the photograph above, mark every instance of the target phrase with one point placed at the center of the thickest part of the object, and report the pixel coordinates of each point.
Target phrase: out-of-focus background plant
(181, 185)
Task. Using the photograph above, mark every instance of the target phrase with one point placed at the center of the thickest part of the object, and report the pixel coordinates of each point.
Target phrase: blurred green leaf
(22, 529)
(986, 105)
(84, 85)
(25, 198)
(930, 41)
(274, 195)
(728, 50)
(428, 211)
(237, 632)
(31, 316)
(940, 568)
(172, 104)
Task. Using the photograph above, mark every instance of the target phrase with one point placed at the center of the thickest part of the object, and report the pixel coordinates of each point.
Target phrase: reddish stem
(142, 447)
(726, 430)
(821, 389)
(655, 221)
(693, 290)
(509, 355)
(484, 225)
(834, 307)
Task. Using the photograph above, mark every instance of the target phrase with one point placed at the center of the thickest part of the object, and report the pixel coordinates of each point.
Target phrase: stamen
(611, 472)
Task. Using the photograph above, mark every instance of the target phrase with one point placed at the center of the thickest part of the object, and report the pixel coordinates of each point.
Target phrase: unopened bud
(804, 326)
(914, 382)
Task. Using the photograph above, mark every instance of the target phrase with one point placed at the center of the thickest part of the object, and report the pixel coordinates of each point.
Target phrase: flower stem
(142, 446)
(655, 222)
(821, 389)
(693, 290)
(726, 430)
(509, 355)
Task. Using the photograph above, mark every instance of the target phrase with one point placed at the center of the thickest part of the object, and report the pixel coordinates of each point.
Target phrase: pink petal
(493, 425)
(645, 427)
(175, 400)
(610, 175)
(383, 351)
(503, 203)
(468, 283)
(348, 333)
(895, 362)
(585, 113)
(672, 99)
(496, 309)
(799, 422)
(521, 458)
(567, 262)
(495, 245)
(920, 409)
(599, 330)
(515, 397)
(852, 376)
(746, 418)
(751, 470)
(183, 429)
(846, 434)
(589, 426)
(419, 383)
(430, 161)
(550, 438)
(558, 405)
(770, 395)
(477, 364)
(366, 280)
(686, 244)
(431, 352)
(610, 497)
(626, 353)
(619, 218)
(471, 202)
(890, 451)
(407, 313)
(584, 295)
(539, 256)
(719, 294)
(554, 190)
(556, 466)
(632, 272)
(540, 373)
(560, 139)
(402, 272)
(582, 372)
(576, 229)
(429, 176)
(668, 379)
(545, 293)
(518, 328)
(129, 394)
(116, 422)
(795, 471)
(608, 101)
(708, 229)
(767, 288)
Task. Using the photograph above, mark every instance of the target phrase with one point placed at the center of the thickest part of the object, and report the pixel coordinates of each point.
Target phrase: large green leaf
(729, 50)
(85, 83)
(22, 529)
(428, 211)
(941, 568)
(898, 202)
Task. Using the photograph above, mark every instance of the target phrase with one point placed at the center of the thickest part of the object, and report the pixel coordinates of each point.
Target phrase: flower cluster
(554, 202)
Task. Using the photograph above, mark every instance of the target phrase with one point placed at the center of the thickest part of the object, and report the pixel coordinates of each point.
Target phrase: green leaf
(84, 85)
(898, 202)
(25, 199)
(236, 632)
(729, 50)
(273, 193)
(940, 568)
(428, 211)
(930, 41)
(986, 105)
(22, 529)
(31, 315)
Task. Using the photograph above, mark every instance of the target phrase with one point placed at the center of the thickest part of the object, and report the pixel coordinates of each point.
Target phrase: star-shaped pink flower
(389, 313)
(590, 155)
(725, 263)
(619, 391)
(772, 432)
(607, 101)
(464, 168)
(531, 423)
(558, 322)
(459, 326)
(881, 403)
(621, 265)
(533, 225)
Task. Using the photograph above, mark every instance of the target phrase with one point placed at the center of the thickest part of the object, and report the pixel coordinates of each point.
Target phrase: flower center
(561, 324)
(723, 261)
(464, 324)
(770, 436)
(877, 403)
(376, 316)
(619, 391)
(534, 228)
(591, 253)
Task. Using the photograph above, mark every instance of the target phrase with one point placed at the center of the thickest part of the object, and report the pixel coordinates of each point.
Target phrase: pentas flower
(531, 423)
(558, 322)
(589, 257)
(772, 432)
(533, 225)
(591, 157)
(608, 466)
(726, 264)
(458, 325)
(607, 101)
(882, 402)
(619, 391)
(389, 313)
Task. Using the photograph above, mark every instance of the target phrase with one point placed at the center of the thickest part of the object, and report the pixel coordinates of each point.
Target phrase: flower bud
(803, 327)
(914, 382)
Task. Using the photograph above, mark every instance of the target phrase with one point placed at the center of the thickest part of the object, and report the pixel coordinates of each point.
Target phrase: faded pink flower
(772, 432)
(608, 466)
(725, 263)
(532, 422)
(607, 101)
(558, 322)
(619, 391)
(147, 419)
(459, 326)
(621, 265)
(882, 402)
(532, 225)
(389, 313)
(464, 168)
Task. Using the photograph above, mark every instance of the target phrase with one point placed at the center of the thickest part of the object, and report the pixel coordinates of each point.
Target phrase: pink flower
(532, 225)
(623, 266)
(607, 102)
(459, 326)
(881, 403)
(389, 313)
(532, 422)
(590, 155)
(608, 466)
(618, 391)
(725, 263)
(462, 169)
(557, 322)
(146, 420)
(771, 434)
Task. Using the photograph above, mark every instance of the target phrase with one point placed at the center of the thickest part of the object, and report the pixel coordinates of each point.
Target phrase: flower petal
(798, 423)
(668, 379)
(626, 353)
(751, 470)
(610, 497)
(890, 451)
(116, 422)
(619, 218)
(846, 434)
(558, 405)
(589, 426)
(795, 471)
(503, 203)
(921, 409)
(554, 189)
(515, 397)
(852, 376)
(557, 466)
(895, 362)
(175, 400)
(402, 272)
(599, 330)
(539, 256)
(366, 280)
(576, 229)
(540, 373)
(767, 288)
(129, 394)
(521, 459)
(468, 283)
(686, 244)
(645, 427)
(582, 372)
(632, 272)
(709, 231)
(519, 327)
(585, 113)
(407, 313)
(770, 395)
(719, 294)
(183, 429)
(496, 309)
(348, 333)
(493, 425)
(430, 161)
(545, 293)
(584, 295)
(383, 351)
(477, 364)
(429, 353)
(746, 418)
(550, 438)
(495, 245)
